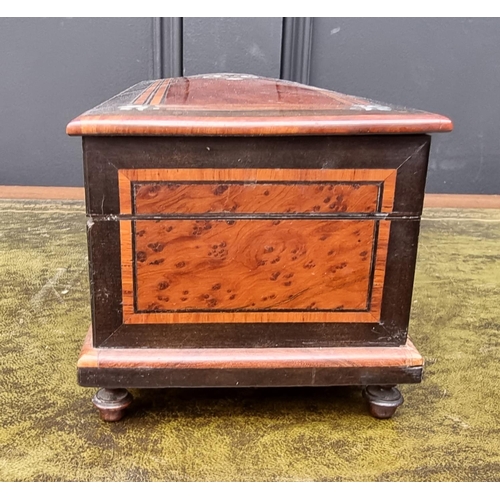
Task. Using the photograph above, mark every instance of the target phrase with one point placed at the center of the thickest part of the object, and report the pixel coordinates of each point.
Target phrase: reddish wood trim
(249, 125)
(41, 193)
(247, 105)
(256, 358)
(162, 90)
(88, 355)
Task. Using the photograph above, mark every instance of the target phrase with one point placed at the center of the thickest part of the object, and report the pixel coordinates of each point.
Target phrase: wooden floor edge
(432, 200)
(42, 193)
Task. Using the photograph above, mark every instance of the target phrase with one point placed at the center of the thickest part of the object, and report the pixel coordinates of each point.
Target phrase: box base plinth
(377, 369)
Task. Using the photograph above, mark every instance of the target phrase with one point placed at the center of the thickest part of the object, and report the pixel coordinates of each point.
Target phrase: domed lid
(235, 104)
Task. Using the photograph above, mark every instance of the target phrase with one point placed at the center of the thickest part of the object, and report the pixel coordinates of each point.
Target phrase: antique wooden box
(246, 231)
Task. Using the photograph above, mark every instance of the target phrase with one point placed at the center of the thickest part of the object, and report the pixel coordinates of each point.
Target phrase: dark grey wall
(448, 66)
(53, 69)
(232, 44)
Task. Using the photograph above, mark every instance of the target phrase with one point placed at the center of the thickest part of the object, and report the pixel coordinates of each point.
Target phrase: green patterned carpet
(448, 428)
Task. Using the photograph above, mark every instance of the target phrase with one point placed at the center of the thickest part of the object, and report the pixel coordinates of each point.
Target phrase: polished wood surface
(116, 166)
(116, 324)
(253, 270)
(246, 265)
(226, 197)
(178, 271)
(272, 367)
(266, 237)
(274, 358)
(301, 372)
(252, 191)
(146, 158)
(235, 104)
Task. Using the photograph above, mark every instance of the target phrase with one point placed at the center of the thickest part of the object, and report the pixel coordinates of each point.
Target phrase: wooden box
(246, 231)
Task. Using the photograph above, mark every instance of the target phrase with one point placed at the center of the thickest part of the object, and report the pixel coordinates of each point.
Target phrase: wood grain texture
(127, 269)
(160, 368)
(174, 190)
(109, 157)
(110, 306)
(275, 358)
(226, 104)
(252, 198)
(252, 271)
(245, 265)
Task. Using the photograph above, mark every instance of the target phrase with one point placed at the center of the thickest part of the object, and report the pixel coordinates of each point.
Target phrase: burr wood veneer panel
(293, 263)
(249, 270)
(265, 197)
(259, 191)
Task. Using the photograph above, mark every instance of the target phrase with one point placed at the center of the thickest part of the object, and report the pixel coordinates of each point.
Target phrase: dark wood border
(157, 378)
(104, 156)
(159, 368)
(392, 328)
(105, 278)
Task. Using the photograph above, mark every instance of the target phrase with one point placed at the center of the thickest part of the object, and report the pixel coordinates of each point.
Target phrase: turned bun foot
(112, 403)
(383, 401)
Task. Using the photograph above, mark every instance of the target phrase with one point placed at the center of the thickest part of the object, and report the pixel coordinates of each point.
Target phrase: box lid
(237, 104)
